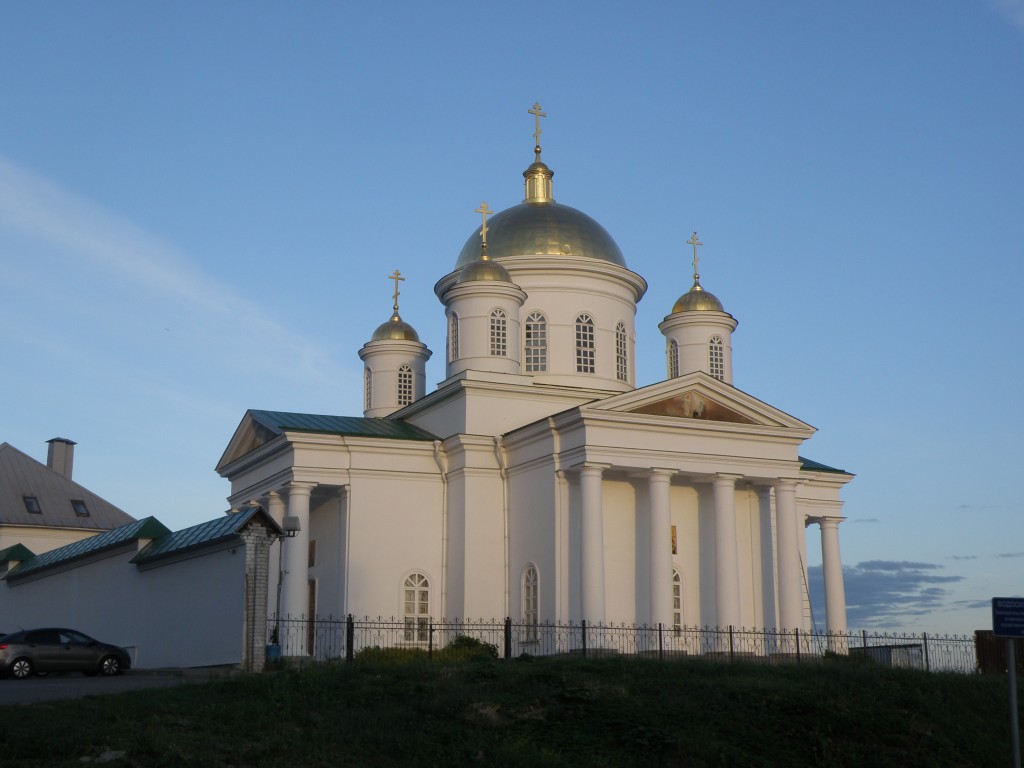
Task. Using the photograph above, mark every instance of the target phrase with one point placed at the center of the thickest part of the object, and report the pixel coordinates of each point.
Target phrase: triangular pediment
(249, 435)
(700, 397)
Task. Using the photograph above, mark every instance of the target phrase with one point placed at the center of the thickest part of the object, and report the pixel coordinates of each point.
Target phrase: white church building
(538, 481)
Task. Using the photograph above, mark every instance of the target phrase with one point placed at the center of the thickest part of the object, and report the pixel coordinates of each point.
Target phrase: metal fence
(324, 639)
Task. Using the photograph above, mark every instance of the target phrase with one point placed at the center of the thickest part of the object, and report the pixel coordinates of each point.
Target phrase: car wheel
(21, 668)
(110, 665)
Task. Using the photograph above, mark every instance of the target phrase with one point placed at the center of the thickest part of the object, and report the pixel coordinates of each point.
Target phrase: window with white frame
(453, 337)
(499, 333)
(716, 358)
(673, 359)
(621, 360)
(530, 601)
(585, 357)
(404, 385)
(416, 598)
(536, 343)
(677, 602)
(367, 389)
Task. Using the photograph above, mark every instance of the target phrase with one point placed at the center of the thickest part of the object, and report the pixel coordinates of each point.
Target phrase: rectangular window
(32, 505)
(312, 553)
(80, 509)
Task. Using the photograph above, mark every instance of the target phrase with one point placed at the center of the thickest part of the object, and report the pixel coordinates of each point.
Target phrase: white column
(592, 544)
(727, 577)
(788, 532)
(769, 619)
(832, 568)
(295, 591)
(275, 508)
(658, 484)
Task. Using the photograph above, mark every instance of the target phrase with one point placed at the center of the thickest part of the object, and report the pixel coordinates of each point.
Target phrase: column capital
(786, 483)
(824, 522)
(299, 488)
(725, 478)
(591, 468)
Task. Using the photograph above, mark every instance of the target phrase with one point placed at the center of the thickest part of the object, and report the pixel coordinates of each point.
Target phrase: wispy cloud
(963, 557)
(884, 593)
(44, 211)
(1011, 10)
(866, 520)
(1011, 554)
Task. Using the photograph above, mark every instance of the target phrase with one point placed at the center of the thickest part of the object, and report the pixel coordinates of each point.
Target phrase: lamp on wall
(291, 526)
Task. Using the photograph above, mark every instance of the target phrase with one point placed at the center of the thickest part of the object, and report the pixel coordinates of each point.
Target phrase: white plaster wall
(473, 303)
(687, 560)
(38, 539)
(395, 528)
(619, 503)
(187, 613)
(693, 332)
(534, 537)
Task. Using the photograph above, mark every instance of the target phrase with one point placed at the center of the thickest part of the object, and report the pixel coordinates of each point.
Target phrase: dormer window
(32, 505)
(80, 509)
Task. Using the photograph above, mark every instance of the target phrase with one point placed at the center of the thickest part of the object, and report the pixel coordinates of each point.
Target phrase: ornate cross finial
(396, 276)
(695, 242)
(484, 212)
(537, 115)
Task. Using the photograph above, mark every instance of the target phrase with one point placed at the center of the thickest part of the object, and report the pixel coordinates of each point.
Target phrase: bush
(378, 655)
(464, 648)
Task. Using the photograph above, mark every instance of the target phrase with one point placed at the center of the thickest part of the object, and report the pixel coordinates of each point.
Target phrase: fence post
(661, 645)
(927, 665)
(796, 633)
(430, 639)
(731, 646)
(350, 634)
(508, 638)
(583, 634)
(864, 641)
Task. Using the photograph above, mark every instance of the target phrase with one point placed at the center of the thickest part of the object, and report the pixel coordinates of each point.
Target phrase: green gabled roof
(18, 552)
(204, 534)
(147, 528)
(815, 466)
(355, 426)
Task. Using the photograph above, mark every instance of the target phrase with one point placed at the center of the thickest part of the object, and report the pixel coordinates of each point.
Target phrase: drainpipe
(442, 465)
(502, 458)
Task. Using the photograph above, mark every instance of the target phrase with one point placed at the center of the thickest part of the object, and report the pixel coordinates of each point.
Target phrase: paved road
(55, 687)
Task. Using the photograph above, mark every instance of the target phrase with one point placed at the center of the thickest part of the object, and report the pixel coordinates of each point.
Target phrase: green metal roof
(204, 534)
(354, 426)
(147, 528)
(15, 552)
(815, 466)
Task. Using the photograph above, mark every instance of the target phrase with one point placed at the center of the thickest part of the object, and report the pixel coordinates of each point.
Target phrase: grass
(598, 712)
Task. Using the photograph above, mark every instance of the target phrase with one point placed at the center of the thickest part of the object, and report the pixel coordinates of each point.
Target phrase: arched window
(621, 361)
(536, 343)
(584, 344)
(716, 358)
(416, 598)
(530, 601)
(499, 333)
(673, 359)
(367, 389)
(677, 601)
(453, 337)
(404, 385)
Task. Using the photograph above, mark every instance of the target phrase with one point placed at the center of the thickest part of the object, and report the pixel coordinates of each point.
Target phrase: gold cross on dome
(484, 212)
(537, 115)
(694, 242)
(396, 276)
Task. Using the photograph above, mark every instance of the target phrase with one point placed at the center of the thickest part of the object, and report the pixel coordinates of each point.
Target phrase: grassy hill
(595, 712)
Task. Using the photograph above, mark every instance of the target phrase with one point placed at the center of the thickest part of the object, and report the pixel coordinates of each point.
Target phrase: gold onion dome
(696, 300)
(483, 270)
(395, 329)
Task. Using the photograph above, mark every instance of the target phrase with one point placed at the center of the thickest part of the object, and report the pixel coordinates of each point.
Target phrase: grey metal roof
(815, 466)
(355, 426)
(147, 528)
(21, 475)
(204, 534)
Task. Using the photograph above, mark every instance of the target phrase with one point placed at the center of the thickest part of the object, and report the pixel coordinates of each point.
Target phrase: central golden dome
(544, 229)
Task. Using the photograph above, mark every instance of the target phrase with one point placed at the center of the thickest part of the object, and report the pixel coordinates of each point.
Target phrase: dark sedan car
(35, 651)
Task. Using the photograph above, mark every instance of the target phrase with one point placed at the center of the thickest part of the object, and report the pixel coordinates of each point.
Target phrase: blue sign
(1008, 616)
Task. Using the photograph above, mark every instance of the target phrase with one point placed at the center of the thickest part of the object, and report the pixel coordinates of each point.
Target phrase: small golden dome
(696, 300)
(395, 329)
(483, 270)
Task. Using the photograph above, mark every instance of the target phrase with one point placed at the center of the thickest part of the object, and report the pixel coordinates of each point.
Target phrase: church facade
(538, 481)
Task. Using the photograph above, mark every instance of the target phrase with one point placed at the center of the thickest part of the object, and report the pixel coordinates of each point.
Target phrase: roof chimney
(61, 456)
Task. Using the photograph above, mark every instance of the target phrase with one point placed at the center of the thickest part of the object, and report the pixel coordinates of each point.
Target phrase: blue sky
(200, 203)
